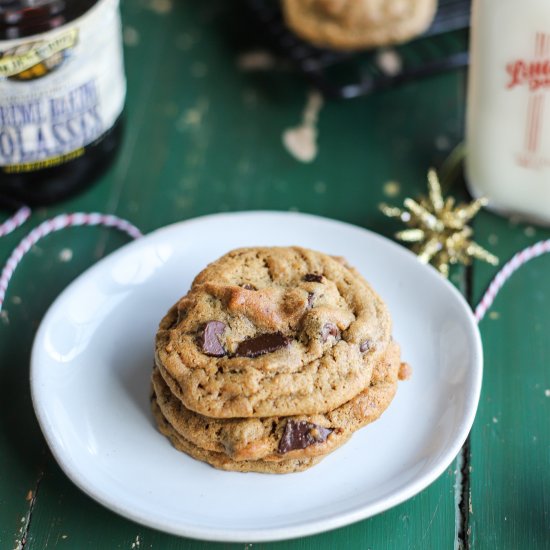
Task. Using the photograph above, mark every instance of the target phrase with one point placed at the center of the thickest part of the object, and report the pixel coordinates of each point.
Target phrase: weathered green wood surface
(510, 442)
(204, 135)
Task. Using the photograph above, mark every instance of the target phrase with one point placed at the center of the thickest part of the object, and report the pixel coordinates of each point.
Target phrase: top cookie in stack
(272, 360)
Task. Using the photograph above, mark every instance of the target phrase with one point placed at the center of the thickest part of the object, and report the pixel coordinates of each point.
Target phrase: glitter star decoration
(438, 229)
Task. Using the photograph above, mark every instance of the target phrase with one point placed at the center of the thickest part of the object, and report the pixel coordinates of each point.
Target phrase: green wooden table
(204, 135)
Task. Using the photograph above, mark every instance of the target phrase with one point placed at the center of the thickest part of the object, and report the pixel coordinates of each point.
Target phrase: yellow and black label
(41, 164)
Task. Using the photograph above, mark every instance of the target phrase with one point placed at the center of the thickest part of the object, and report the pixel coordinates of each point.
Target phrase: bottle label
(532, 77)
(61, 90)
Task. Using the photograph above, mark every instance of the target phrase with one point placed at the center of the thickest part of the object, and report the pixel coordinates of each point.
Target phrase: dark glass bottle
(62, 91)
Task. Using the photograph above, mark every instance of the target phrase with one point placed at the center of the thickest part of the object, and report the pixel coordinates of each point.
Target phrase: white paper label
(60, 90)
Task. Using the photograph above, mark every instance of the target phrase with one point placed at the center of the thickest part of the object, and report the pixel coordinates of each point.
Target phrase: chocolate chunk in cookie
(329, 329)
(209, 339)
(313, 278)
(365, 346)
(302, 434)
(262, 344)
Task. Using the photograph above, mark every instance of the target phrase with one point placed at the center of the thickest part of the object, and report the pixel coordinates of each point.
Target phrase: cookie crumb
(28, 498)
(66, 255)
(389, 62)
(405, 371)
(494, 315)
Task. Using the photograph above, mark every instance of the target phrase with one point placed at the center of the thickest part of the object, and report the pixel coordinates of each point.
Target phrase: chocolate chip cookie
(358, 24)
(273, 439)
(273, 332)
(272, 360)
(221, 460)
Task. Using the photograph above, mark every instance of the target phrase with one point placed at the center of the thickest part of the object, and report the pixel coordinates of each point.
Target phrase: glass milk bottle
(508, 110)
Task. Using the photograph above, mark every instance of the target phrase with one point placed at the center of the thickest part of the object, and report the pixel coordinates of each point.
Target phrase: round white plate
(93, 355)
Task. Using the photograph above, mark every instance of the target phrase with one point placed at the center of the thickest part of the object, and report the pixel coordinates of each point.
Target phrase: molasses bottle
(62, 91)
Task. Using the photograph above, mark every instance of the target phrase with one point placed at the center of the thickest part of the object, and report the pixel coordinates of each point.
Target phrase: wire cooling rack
(442, 47)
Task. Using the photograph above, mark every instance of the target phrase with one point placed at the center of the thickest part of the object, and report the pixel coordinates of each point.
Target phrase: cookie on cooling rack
(358, 24)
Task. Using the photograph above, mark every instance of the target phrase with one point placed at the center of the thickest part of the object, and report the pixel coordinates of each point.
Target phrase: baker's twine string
(94, 218)
(507, 270)
(19, 218)
(50, 226)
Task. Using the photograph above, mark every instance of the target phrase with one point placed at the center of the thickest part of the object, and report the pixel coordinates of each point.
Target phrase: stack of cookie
(272, 360)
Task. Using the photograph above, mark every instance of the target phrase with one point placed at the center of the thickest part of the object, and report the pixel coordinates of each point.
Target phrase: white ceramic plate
(93, 355)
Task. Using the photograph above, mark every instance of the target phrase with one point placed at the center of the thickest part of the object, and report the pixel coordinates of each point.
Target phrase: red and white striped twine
(55, 224)
(510, 267)
(94, 218)
(19, 218)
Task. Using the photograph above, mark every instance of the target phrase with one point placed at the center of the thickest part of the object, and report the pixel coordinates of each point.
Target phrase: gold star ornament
(438, 229)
